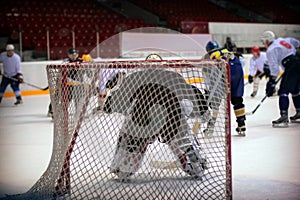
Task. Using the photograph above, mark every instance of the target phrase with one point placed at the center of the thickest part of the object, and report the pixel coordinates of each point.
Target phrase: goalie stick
(32, 85)
(164, 164)
(265, 97)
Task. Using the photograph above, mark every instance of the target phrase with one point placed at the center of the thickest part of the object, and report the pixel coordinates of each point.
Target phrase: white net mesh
(135, 130)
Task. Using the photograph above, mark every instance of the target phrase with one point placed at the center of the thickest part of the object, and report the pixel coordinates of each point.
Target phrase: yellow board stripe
(27, 93)
(41, 92)
(194, 80)
(201, 80)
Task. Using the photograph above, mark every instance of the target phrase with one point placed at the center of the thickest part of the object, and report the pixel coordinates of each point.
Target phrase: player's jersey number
(285, 44)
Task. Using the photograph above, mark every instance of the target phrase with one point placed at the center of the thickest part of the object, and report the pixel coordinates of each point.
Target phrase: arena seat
(277, 11)
(187, 10)
(35, 17)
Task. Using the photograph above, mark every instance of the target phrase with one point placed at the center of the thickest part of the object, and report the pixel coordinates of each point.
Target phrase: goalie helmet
(268, 36)
(211, 45)
(153, 56)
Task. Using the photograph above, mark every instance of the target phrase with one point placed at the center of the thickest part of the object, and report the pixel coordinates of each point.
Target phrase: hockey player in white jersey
(258, 68)
(156, 109)
(108, 79)
(282, 52)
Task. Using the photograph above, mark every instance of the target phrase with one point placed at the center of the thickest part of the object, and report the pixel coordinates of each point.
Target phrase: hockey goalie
(156, 108)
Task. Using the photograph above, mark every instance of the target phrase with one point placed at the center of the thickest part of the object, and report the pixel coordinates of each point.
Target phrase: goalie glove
(20, 77)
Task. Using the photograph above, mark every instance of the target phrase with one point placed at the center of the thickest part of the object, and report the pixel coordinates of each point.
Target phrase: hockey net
(142, 136)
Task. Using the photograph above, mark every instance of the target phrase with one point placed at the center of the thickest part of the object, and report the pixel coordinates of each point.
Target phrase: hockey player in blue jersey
(236, 83)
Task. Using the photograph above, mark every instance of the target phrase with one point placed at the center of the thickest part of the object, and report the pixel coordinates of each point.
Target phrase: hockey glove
(20, 78)
(250, 79)
(270, 88)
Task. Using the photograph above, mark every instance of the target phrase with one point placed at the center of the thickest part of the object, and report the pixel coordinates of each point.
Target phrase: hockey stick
(265, 97)
(164, 164)
(35, 86)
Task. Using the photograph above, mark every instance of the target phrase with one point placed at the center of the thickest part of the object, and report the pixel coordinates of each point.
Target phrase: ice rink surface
(266, 163)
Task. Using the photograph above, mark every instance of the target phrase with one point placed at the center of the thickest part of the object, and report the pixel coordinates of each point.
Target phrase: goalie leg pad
(187, 150)
(128, 156)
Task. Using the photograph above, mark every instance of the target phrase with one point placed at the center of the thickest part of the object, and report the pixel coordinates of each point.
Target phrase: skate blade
(285, 125)
(295, 121)
(242, 133)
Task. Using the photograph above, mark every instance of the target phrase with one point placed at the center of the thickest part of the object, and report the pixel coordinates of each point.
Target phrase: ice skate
(296, 117)
(50, 112)
(241, 130)
(254, 93)
(18, 102)
(282, 122)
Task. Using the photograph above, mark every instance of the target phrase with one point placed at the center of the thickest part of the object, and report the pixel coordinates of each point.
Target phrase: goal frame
(63, 183)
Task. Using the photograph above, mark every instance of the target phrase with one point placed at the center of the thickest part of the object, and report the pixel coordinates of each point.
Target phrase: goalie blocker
(156, 109)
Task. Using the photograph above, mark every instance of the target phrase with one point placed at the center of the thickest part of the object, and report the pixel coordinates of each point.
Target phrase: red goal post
(86, 134)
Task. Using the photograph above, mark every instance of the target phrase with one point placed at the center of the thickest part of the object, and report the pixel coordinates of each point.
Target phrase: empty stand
(61, 18)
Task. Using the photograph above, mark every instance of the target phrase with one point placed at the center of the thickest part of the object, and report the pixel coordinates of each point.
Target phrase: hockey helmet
(268, 36)
(211, 45)
(255, 49)
(10, 47)
(72, 51)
